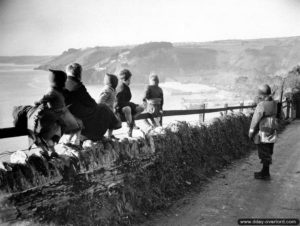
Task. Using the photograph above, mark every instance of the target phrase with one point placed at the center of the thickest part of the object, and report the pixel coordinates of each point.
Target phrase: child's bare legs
(127, 113)
(154, 122)
(110, 135)
(115, 124)
(139, 109)
(150, 123)
(51, 145)
(67, 138)
(77, 135)
(130, 118)
(147, 122)
(73, 138)
(158, 119)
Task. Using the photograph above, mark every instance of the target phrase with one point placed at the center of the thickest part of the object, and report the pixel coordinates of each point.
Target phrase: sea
(22, 85)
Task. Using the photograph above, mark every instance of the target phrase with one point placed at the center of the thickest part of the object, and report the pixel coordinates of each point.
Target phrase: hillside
(217, 62)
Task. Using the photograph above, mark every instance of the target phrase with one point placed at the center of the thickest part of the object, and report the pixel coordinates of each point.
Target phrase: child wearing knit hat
(108, 95)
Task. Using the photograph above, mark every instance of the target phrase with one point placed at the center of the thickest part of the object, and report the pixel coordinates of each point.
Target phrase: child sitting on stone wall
(154, 100)
(108, 96)
(55, 100)
(42, 125)
(127, 110)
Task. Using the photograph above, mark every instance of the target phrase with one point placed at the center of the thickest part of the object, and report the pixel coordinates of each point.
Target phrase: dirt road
(234, 193)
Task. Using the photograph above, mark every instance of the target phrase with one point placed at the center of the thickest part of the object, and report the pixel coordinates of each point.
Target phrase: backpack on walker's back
(268, 129)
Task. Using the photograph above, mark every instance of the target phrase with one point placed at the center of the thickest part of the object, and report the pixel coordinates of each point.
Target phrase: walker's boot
(266, 169)
(257, 174)
(264, 174)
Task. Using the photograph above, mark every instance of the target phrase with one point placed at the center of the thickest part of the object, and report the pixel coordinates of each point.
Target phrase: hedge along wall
(146, 175)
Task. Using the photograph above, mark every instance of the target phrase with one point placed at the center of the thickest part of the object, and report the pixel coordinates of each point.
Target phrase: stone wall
(107, 183)
(34, 170)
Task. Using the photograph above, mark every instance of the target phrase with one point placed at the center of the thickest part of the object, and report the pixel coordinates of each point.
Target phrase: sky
(48, 27)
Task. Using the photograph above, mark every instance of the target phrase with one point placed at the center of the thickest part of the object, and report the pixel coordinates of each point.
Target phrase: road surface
(233, 193)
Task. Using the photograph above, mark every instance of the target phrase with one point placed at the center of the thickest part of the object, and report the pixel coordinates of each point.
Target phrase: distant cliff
(218, 62)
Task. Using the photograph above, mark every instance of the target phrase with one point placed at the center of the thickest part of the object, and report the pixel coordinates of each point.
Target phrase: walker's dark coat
(97, 118)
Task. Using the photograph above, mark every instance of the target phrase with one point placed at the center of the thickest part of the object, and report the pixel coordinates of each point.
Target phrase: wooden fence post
(293, 111)
(241, 105)
(202, 116)
(225, 106)
(288, 107)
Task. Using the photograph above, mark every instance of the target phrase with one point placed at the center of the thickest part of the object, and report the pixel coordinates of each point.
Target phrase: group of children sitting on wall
(69, 109)
(118, 98)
